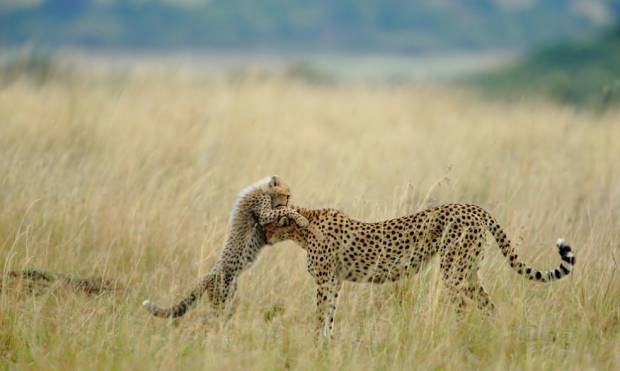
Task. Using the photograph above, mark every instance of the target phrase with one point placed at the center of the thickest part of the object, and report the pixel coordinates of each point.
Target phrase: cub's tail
(566, 254)
(184, 305)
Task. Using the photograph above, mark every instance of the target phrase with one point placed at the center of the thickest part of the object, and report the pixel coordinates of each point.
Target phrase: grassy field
(133, 178)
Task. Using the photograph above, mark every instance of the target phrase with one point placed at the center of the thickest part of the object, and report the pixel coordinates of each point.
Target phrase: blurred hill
(360, 25)
(581, 73)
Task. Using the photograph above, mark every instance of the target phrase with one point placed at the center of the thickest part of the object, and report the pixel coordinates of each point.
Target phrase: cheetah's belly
(379, 263)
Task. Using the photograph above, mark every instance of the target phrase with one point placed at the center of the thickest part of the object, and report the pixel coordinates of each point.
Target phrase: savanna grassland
(132, 179)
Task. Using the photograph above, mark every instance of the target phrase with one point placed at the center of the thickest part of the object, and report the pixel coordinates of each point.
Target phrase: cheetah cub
(260, 203)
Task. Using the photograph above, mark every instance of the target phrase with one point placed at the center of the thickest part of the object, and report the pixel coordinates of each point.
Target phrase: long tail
(183, 306)
(566, 254)
(89, 286)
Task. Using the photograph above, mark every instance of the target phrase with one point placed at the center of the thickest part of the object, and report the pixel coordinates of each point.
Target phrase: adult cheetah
(389, 250)
(262, 202)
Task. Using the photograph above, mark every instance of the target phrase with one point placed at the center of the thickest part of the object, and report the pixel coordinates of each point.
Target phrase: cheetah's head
(281, 230)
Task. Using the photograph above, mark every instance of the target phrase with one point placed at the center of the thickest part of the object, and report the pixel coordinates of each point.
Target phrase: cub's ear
(274, 181)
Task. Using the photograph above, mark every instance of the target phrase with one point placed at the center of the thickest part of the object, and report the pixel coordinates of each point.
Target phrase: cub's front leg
(266, 214)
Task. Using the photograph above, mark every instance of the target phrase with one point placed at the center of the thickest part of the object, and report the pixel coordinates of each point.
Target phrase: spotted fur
(258, 204)
(356, 251)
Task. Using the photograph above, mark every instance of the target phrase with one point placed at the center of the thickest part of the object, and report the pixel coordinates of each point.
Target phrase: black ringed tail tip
(566, 253)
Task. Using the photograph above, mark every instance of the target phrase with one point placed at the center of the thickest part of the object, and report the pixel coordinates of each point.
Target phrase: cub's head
(278, 190)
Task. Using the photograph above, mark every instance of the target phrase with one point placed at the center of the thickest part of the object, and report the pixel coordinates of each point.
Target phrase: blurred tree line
(585, 73)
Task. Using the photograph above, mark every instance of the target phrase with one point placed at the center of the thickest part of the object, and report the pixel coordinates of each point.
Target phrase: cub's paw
(302, 222)
(283, 222)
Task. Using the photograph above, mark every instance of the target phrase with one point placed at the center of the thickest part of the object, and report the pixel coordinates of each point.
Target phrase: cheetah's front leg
(326, 301)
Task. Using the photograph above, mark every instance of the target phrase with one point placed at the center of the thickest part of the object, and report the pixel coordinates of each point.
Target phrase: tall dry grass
(133, 180)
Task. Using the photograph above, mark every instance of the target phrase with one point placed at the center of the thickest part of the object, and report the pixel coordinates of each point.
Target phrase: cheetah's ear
(274, 181)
